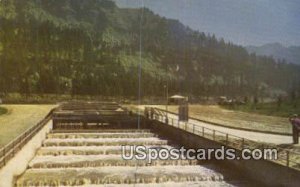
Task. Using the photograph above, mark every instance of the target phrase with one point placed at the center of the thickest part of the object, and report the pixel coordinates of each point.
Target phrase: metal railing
(285, 157)
(9, 150)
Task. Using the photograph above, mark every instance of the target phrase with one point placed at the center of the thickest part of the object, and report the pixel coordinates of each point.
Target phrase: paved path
(255, 136)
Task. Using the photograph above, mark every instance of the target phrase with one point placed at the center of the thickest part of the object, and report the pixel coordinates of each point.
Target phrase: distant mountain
(278, 51)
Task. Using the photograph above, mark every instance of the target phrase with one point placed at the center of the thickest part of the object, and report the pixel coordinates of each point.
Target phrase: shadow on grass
(3, 110)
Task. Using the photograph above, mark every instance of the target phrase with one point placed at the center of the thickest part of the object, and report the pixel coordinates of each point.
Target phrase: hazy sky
(245, 22)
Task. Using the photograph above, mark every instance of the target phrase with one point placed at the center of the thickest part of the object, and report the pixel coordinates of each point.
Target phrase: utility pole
(167, 90)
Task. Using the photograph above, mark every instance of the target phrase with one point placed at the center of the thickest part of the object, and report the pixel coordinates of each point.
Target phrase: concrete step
(89, 150)
(105, 141)
(116, 175)
(101, 135)
(98, 161)
(169, 184)
(101, 131)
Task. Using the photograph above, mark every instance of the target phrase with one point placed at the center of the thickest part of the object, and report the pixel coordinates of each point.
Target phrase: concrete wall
(18, 164)
(264, 172)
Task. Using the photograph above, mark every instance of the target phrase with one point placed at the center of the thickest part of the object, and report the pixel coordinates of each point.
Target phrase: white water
(100, 135)
(97, 161)
(127, 175)
(88, 150)
(105, 141)
(81, 159)
(166, 184)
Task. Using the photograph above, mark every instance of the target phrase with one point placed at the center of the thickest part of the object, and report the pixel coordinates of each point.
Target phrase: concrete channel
(83, 152)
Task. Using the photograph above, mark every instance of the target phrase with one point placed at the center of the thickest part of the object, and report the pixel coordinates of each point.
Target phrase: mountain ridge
(289, 54)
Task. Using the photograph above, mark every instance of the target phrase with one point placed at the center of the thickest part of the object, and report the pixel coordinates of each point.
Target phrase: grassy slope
(149, 64)
(219, 115)
(19, 118)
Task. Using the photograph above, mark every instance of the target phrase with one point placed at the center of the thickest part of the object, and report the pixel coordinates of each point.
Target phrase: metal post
(4, 155)
(167, 96)
(152, 116)
(243, 143)
(193, 128)
(287, 158)
(203, 131)
(214, 133)
(226, 139)
(13, 148)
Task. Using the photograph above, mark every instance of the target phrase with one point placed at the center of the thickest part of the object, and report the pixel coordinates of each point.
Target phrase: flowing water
(94, 159)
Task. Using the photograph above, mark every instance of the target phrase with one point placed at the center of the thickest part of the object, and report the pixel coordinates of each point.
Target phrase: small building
(177, 99)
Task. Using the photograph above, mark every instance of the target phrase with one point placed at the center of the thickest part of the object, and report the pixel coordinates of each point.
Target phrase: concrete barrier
(264, 172)
(18, 164)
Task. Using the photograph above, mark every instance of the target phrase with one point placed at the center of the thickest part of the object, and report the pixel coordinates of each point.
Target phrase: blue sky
(244, 22)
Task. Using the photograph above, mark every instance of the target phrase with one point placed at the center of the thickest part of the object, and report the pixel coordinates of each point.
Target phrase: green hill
(93, 47)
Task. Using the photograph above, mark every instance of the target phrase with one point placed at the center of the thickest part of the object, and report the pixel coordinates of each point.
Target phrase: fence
(285, 157)
(8, 151)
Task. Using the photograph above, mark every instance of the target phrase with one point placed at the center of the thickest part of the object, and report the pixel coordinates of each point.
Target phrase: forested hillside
(92, 47)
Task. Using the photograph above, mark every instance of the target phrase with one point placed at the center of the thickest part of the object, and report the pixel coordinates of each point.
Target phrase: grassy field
(19, 118)
(271, 109)
(216, 114)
